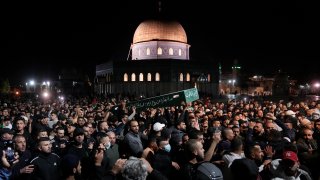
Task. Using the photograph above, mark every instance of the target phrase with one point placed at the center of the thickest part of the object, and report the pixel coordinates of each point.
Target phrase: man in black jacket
(21, 169)
(46, 164)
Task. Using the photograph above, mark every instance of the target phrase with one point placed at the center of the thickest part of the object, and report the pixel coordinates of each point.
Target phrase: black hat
(78, 131)
(7, 119)
(166, 133)
(69, 162)
(40, 116)
(244, 110)
(6, 130)
(62, 117)
(244, 169)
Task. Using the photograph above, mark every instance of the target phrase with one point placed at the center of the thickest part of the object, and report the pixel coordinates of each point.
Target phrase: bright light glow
(32, 83)
(317, 85)
(48, 83)
(17, 93)
(45, 94)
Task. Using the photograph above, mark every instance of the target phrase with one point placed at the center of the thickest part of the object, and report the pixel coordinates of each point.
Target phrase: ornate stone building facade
(160, 64)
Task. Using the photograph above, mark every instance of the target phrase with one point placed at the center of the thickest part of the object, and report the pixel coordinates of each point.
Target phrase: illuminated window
(159, 51)
(188, 77)
(170, 51)
(180, 52)
(133, 77)
(181, 77)
(157, 77)
(125, 77)
(209, 77)
(139, 52)
(149, 77)
(140, 77)
(148, 51)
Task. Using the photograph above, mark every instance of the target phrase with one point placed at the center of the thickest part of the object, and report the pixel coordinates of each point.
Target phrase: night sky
(48, 37)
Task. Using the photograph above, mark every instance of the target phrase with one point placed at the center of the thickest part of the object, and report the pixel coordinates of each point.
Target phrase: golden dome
(159, 30)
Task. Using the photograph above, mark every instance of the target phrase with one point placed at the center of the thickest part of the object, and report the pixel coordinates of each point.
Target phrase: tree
(5, 86)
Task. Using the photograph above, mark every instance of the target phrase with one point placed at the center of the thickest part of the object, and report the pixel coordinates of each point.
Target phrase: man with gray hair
(130, 169)
(113, 150)
(134, 169)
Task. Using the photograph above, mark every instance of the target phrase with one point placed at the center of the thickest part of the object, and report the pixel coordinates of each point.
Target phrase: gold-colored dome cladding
(159, 30)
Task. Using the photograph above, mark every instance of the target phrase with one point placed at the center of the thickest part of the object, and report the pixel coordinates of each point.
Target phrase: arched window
(157, 77)
(209, 78)
(140, 77)
(159, 51)
(125, 77)
(188, 77)
(180, 52)
(149, 77)
(148, 51)
(133, 77)
(139, 52)
(181, 77)
(170, 51)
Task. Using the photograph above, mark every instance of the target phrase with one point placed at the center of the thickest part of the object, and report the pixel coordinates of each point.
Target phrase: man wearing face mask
(104, 145)
(162, 160)
(113, 150)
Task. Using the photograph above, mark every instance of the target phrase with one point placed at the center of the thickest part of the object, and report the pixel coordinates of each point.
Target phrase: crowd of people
(101, 138)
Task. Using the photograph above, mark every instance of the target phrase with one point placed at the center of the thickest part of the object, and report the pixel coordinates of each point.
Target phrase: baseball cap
(78, 131)
(315, 116)
(158, 126)
(290, 113)
(290, 155)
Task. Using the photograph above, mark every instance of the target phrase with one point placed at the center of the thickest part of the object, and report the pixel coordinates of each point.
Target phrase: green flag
(171, 99)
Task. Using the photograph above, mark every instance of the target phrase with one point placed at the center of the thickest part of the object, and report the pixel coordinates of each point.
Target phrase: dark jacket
(24, 160)
(46, 167)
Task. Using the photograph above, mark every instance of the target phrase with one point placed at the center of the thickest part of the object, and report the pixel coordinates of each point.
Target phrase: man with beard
(21, 169)
(132, 139)
(288, 167)
(71, 167)
(80, 149)
(195, 156)
(308, 151)
(261, 158)
(47, 164)
(256, 134)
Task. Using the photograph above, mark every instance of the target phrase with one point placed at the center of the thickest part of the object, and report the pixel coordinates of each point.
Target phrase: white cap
(158, 126)
(290, 113)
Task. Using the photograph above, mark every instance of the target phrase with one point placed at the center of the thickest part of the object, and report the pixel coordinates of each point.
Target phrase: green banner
(171, 99)
(191, 95)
